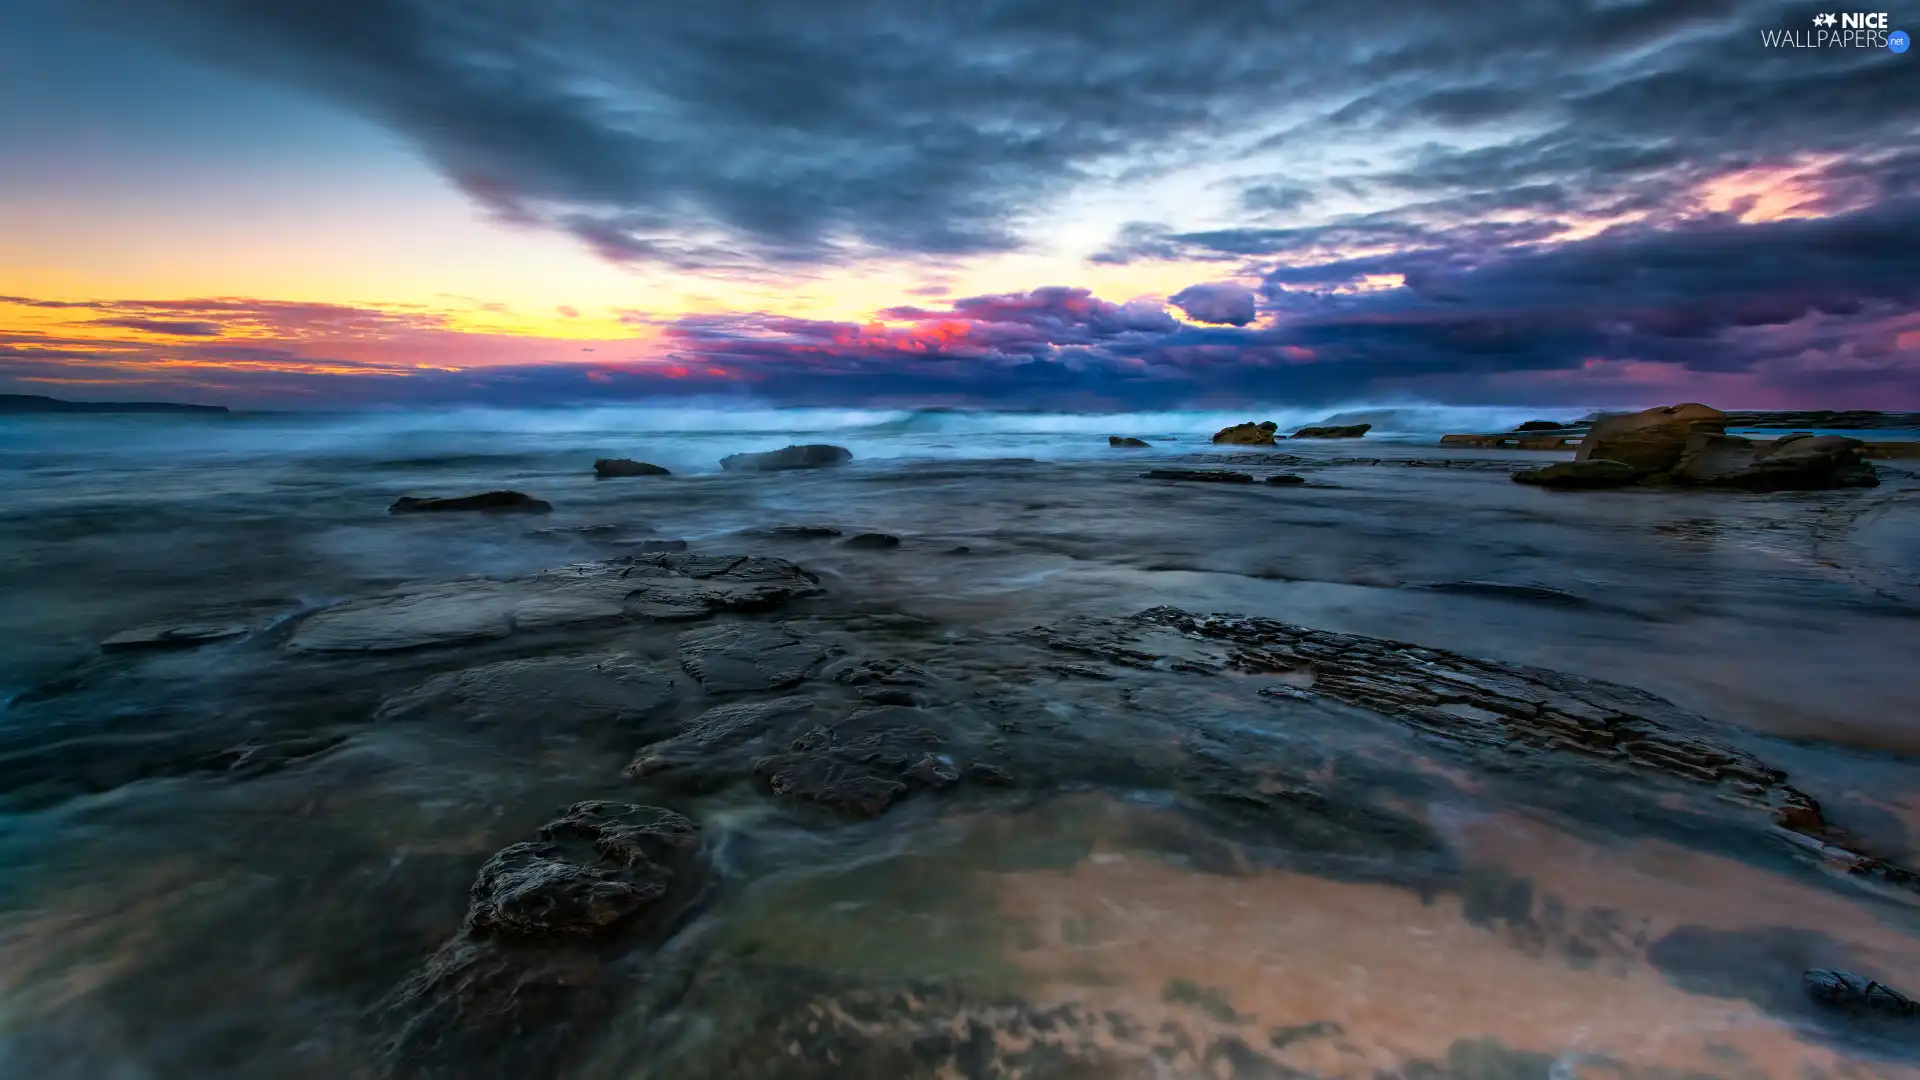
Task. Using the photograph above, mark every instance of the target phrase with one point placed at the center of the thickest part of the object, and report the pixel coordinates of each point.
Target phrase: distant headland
(33, 403)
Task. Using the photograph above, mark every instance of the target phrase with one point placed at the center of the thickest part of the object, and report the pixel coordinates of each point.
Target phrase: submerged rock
(510, 502)
(1857, 994)
(1127, 442)
(1592, 473)
(1286, 478)
(595, 694)
(719, 728)
(804, 532)
(1247, 434)
(864, 763)
(53, 772)
(1477, 705)
(1651, 441)
(1333, 431)
(1203, 476)
(662, 586)
(741, 657)
(814, 456)
(872, 541)
(608, 468)
(184, 635)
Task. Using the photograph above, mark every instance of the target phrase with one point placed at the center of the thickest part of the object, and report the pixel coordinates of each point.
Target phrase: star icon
(1825, 20)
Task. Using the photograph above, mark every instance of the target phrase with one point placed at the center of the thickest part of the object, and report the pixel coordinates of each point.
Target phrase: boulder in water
(871, 541)
(508, 502)
(1333, 431)
(1651, 441)
(609, 468)
(1247, 434)
(1793, 463)
(814, 456)
(1542, 425)
(1127, 442)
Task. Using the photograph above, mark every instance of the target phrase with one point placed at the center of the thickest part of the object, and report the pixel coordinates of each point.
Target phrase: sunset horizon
(338, 206)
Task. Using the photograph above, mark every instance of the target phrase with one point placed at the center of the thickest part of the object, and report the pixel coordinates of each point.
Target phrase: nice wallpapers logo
(1844, 30)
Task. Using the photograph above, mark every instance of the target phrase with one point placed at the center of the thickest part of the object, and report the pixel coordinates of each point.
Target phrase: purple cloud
(1222, 303)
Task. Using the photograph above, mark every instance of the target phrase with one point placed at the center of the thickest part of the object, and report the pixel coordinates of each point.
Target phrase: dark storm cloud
(1222, 302)
(738, 132)
(1799, 305)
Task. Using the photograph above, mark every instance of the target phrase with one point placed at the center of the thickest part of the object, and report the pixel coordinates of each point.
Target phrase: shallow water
(1449, 909)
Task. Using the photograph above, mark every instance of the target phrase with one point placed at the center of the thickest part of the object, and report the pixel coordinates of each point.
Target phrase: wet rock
(1248, 434)
(184, 635)
(960, 549)
(814, 456)
(1128, 443)
(1479, 706)
(1333, 431)
(1857, 994)
(662, 586)
(609, 468)
(555, 933)
(597, 866)
(603, 695)
(881, 671)
(1890, 451)
(737, 658)
(1808, 463)
(804, 532)
(1651, 441)
(493, 502)
(1711, 457)
(980, 772)
(722, 727)
(436, 615)
(871, 541)
(1202, 476)
(1580, 475)
(863, 764)
(1282, 479)
(1542, 425)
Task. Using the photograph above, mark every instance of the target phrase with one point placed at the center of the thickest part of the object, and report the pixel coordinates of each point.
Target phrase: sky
(998, 203)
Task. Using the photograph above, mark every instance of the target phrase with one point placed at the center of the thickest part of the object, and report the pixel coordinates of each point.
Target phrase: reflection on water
(1266, 972)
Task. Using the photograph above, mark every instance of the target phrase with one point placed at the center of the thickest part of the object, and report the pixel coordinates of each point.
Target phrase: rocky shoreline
(844, 794)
